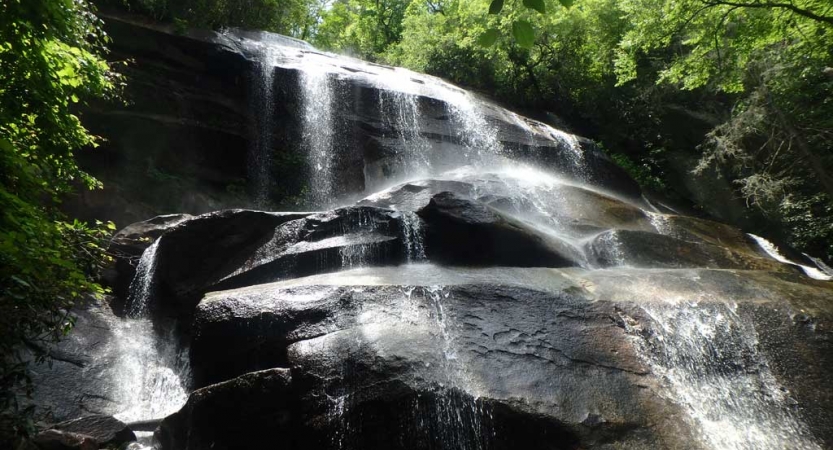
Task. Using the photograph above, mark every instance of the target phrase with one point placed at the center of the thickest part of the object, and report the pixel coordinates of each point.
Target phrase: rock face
(426, 357)
(64, 440)
(213, 418)
(75, 383)
(213, 120)
(461, 231)
(474, 311)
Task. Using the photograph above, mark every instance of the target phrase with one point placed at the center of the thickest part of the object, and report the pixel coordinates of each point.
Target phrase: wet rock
(694, 229)
(64, 440)
(248, 412)
(77, 381)
(465, 232)
(133, 239)
(390, 356)
(239, 248)
(106, 430)
(567, 209)
(420, 356)
(128, 244)
(643, 249)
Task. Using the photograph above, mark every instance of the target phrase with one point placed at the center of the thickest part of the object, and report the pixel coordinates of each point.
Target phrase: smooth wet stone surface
(566, 351)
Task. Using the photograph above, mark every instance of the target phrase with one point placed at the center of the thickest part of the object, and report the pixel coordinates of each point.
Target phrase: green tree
(290, 17)
(50, 57)
(364, 28)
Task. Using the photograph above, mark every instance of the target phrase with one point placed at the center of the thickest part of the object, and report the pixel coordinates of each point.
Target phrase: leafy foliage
(50, 57)
(361, 27)
(290, 17)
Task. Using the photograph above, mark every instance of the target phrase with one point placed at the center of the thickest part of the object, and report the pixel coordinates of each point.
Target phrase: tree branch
(790, 7)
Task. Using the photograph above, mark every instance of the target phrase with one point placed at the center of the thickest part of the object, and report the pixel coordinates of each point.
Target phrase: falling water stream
(707, 353)
(152, 372)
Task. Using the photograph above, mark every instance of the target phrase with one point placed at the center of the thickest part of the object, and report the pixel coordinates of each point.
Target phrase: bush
(50, 52)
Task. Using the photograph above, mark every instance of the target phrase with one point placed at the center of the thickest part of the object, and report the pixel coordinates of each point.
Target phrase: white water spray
(318, 133)
(773, 252)
(151, 371)
(707, 353)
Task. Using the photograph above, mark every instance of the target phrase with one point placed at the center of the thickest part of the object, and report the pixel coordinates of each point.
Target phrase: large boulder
(77, 380)
(248, 412)
(240, 247)
(64, 440)
(128, 244)
(107, 430)
(466, 232)
(424, 357)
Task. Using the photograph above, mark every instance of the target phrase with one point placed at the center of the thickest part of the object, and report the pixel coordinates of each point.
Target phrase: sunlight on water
(772, 251)
(707, 353)
(142, 284)
(318, 133)
(150, 372)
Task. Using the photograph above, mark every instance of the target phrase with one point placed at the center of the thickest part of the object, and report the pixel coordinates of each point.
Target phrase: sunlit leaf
(488, 38)
(524, 33)
(537, 5)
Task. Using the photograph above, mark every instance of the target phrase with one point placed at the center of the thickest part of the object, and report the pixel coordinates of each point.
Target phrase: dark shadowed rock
(133, 239)
(77, 381)
(249, 412)
(462, 231)
(107, 430)
(200, 251)
(64, 440)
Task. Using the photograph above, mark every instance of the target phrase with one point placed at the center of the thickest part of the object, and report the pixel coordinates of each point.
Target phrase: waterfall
(141, 286)
(704, 352)
(708, 355)
(401, 111)
(318, 133)
(479, 137)
(261, 99)
(413, 236)
(151, 371)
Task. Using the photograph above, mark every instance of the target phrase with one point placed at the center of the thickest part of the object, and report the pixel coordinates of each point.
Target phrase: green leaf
(524, 33)
(496, 6)
(537, 5)
(566, 3)
(488, 38)
(20, 281)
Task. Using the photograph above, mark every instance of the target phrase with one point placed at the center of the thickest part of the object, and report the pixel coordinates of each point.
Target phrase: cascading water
(401, 111)
(479, 137)
(413, 236)
(142, 284)
(152, 371)
(260, 149)
(772, 250)
(708, 355)
(318, 133)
